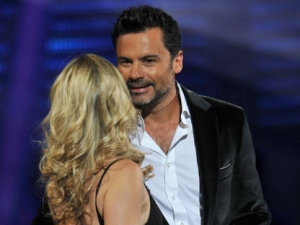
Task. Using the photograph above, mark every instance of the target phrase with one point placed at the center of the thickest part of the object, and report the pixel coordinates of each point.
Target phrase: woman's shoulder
(126, 168)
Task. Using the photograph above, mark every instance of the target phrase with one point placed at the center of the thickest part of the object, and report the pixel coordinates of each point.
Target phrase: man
(200, 147)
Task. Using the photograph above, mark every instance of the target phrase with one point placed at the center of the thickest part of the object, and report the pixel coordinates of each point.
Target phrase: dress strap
(98, 187)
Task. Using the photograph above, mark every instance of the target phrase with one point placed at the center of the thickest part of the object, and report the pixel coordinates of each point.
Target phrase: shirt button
(173, 197)
(169, 164)
(182, 224)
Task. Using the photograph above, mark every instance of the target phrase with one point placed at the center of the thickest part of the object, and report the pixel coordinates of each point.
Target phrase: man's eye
(149, 61)
(124, 63)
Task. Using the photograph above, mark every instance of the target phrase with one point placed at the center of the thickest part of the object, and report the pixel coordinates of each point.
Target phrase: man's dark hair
(137, 19)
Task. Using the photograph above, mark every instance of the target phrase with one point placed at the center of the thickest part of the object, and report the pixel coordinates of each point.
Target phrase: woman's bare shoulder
(126, 168)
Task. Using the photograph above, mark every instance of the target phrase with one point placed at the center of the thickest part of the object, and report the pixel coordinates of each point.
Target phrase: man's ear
(178, 62)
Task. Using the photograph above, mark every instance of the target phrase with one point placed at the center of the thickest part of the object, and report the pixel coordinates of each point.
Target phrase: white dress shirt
(175, 186)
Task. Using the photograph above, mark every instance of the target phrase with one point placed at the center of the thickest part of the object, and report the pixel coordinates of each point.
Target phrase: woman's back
(122, 197)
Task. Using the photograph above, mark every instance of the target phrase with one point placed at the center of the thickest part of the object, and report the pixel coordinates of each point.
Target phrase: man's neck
(161, 122)
(163, 113)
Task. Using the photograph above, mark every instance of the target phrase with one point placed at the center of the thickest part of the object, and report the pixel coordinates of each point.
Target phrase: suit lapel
(207, 150)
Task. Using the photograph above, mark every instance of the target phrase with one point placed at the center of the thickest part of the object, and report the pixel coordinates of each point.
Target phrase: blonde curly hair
(88, 126)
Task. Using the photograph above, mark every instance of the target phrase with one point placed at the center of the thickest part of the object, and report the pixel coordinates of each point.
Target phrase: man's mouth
(138, 88)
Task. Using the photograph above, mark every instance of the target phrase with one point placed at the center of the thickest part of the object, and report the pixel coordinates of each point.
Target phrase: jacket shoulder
(210, 104)
(221, 105)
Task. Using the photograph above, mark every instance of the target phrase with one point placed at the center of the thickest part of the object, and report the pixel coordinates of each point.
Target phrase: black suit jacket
(230, 186)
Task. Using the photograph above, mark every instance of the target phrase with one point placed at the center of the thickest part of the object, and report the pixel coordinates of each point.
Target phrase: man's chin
(141, 102)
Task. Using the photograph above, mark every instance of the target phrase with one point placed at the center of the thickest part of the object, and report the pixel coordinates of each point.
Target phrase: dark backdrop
(246, 52)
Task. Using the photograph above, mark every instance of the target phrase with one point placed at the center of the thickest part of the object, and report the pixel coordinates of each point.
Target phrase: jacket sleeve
(247, 202)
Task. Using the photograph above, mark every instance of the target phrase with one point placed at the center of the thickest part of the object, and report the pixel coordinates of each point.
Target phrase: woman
(91, 171)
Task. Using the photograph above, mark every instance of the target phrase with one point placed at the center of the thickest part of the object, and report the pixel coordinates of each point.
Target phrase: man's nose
(136, 71)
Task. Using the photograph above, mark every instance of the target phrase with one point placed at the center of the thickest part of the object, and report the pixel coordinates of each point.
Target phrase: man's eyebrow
(149, 56)
(141, 58)
(124, 58)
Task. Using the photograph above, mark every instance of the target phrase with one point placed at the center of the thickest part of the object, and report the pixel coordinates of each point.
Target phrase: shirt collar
(140, 129)
(185, 112)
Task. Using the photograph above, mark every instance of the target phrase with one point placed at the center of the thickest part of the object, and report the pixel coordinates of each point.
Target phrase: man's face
(146, 66)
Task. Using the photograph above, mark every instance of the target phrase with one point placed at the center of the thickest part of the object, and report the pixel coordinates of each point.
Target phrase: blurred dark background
(246, 52)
